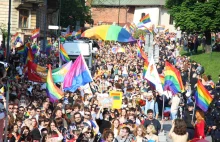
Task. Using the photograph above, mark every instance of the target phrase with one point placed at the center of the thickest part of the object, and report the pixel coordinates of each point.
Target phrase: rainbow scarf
(145, 19)
(173, 81)
(53, 92)
(203, 97)
(63, 55)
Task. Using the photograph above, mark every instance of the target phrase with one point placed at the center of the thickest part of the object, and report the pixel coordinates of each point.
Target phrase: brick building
(130, 11)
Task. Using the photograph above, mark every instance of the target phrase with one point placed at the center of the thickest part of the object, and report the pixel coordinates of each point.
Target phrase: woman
(14, 135)
(115, 127)
(199, 125)
(35, 132)
(25, 135)
(151, 131)
(123, 117)
(178, 131)
(108, 136)
(140, 134)
(54, 135)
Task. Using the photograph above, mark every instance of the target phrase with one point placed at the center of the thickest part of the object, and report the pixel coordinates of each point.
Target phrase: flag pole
(194, 110)
(60, 62)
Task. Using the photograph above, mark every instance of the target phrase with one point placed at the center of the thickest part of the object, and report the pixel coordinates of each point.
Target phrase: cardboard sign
(117, 99)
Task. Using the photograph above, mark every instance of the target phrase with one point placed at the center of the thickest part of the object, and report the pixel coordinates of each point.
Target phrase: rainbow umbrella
(109, 32)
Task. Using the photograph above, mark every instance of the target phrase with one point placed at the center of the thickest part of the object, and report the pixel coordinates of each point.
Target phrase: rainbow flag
(21, 49)
(142, 54)
(35, 33)
(53, 92)
(162, 79)
(145, 19)
(27, 114)
(48, 49)
(78, 34)
(63, 55)
(138, 52)
(173, 81)
(28, 55)
(203, 97)
(78, 75)
(146, 64)
(59, 74)
(133, 27)
(34, 49)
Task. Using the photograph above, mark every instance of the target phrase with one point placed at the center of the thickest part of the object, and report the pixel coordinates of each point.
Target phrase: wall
(165, 20)
(110, 14)
(152, 11)
(14, 14)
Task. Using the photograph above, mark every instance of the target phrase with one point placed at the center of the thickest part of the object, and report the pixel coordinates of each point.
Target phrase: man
(28, 121)
(215, 133)
(77, 117)
(174, 106)
(104, 123)
(188, 119)
(124, 135)
(151, 104)
(152, 121)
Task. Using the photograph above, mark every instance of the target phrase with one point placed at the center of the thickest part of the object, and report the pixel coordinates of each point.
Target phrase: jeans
(173, 115)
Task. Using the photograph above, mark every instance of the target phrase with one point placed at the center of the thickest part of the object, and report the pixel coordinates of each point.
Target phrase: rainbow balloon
(109, 32)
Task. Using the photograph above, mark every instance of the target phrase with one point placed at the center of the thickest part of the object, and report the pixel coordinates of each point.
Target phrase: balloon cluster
(140, 102)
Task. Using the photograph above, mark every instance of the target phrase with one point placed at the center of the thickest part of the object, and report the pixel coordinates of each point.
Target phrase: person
(174, 106)
(178, 131)
(25, 135)
(152, 121)
(105, 123)
(188, 117)
(108, 135)
(115, 127)
(151, 104)
(124, 135)
(215, 118)
(140, 133)
(199, 125)
(151, 131)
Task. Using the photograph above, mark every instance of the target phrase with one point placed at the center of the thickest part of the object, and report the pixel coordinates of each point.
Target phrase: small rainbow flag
(173, 81)
(63, 55)
(53, 92)
(142, 54)
(145, 19)
(78, 34)
(21, 49)
(146, 64)
(202, 97)
(35, 33)
(27, 114)
(138, 52)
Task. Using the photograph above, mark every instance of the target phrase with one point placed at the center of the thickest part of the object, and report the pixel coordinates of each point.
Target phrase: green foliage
(74, 10)
(195, 15)
(4, 30)
(138, 33)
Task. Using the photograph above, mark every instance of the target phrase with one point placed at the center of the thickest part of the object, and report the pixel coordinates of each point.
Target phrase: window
(171, 20)
(23, 18)
(142, 15)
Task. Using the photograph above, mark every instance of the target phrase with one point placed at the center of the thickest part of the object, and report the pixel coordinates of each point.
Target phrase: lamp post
(59, 17)
(7, 59)
(45, 25)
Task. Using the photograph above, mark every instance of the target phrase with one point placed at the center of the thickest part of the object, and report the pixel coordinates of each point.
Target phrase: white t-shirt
(175, 103)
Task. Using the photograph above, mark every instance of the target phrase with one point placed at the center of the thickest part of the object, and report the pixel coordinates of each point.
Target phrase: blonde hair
(152, 129)
(143, 130)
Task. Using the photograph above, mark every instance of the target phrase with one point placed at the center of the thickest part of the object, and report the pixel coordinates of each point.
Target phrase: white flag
(153, 76)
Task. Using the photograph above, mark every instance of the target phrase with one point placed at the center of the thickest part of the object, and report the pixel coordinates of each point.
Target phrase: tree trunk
(208, 37)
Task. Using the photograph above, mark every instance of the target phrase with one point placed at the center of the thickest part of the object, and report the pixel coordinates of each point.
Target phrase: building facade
(131, 11)
(27, 15)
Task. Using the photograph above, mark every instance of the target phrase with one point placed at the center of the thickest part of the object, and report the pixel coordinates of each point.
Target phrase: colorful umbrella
(109, 32)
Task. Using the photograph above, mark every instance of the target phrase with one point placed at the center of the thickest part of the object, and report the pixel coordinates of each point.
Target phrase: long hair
(200, 115)
(143, 130)
(180, 127)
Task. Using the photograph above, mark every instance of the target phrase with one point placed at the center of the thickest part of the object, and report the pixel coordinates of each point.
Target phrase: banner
(36, 73)
(35, 33)
(117, 99)
(105, 100)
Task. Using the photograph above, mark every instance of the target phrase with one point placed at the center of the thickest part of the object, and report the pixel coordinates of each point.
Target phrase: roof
(127, 2)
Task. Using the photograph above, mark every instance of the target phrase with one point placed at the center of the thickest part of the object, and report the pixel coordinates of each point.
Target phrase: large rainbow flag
(53, 92)
(173, 81)
(63, 55)
(202, 97)
(140, 52)
(145, 19)
(79, 75)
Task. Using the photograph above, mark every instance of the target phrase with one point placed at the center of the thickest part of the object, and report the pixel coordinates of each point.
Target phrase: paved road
(163, 137)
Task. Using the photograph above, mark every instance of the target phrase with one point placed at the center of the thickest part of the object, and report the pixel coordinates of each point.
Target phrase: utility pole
(7, 59)
(59, 18)
(45, 25)
(119, 11)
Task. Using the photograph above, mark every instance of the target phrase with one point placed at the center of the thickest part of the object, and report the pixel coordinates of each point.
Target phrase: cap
(190, 104)
(129, 122)
(105, 112)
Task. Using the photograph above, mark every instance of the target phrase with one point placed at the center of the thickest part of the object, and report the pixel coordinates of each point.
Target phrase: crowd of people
(79, 117)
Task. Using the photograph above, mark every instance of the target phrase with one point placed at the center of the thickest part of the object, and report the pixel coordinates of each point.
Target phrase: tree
(195, 15)
(74, 10)
(4, 31)
(138, 33)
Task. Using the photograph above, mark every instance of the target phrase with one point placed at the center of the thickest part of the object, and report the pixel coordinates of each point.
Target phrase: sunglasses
(88, 114)
(88, 132)
(21, 109)
(10, 108)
